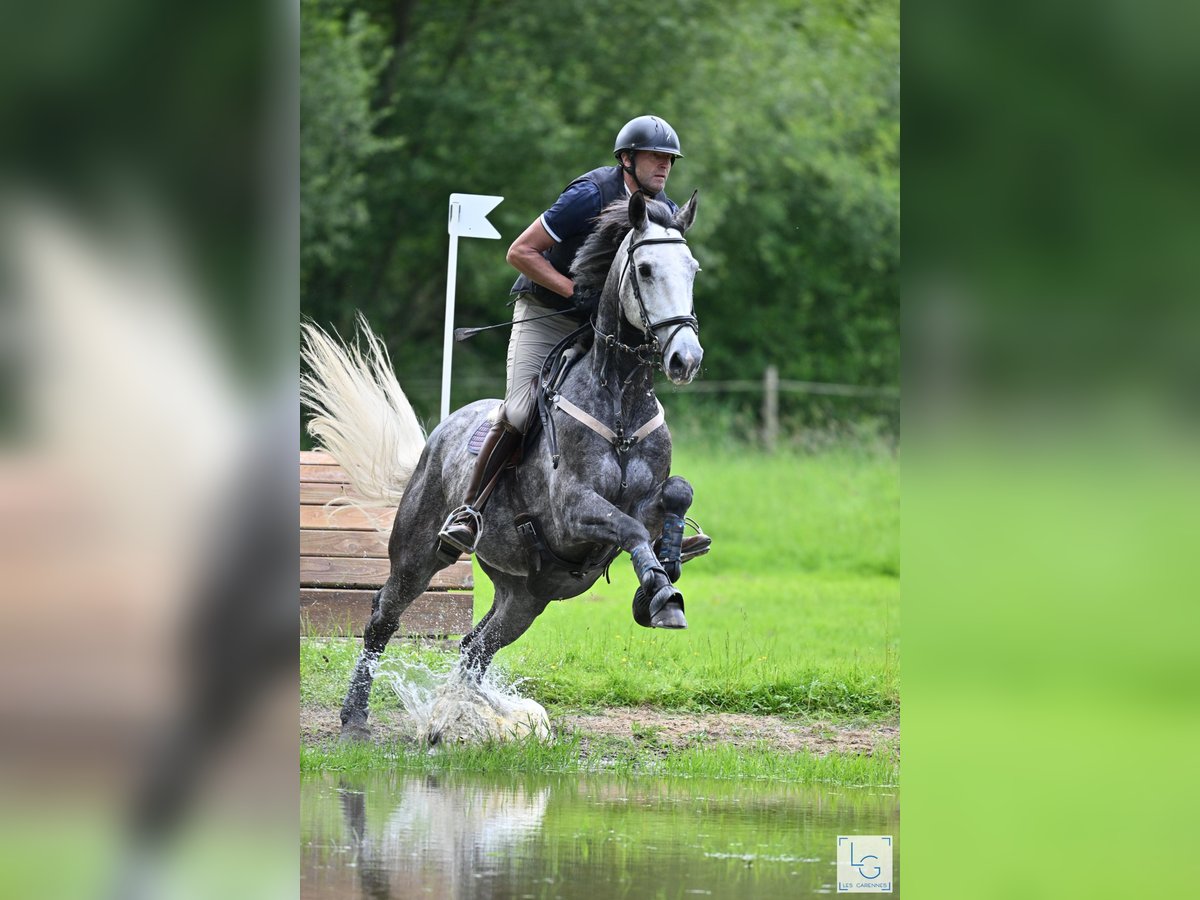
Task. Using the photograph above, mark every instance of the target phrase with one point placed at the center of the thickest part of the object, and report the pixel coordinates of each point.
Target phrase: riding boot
(461, 530)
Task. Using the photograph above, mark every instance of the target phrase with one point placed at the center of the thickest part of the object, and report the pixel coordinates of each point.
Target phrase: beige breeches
(528, 347)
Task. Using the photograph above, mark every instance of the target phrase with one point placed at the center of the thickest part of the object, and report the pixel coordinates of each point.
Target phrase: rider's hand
(585, 301)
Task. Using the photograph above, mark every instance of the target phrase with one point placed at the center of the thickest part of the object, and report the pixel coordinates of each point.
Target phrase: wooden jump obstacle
(344, 561)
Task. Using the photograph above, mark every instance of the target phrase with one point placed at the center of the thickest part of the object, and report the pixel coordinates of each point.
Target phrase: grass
(576, 754)
(795, 611)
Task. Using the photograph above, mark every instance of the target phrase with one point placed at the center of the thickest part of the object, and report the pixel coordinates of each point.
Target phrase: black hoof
(670, 616)
(666, 609)
(641, 608)
(355, 731)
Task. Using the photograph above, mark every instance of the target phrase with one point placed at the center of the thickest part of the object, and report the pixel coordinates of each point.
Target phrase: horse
(596, 482)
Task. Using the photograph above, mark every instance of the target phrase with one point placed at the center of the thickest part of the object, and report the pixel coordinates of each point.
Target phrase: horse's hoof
(670, 616)
(666, 609)
(641, 608)
(355, 731)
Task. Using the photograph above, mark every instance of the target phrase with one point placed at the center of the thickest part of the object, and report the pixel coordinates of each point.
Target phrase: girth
(543, 561)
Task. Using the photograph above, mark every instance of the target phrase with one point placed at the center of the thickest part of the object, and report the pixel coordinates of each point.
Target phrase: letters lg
(863, 864)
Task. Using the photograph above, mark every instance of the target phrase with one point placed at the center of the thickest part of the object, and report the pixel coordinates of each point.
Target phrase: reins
(648, 356)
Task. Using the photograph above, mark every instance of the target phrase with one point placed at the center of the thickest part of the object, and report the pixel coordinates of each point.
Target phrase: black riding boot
(461, 530)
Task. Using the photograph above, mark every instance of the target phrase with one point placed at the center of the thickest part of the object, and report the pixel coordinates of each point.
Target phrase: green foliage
(788, 115)
(342, 55)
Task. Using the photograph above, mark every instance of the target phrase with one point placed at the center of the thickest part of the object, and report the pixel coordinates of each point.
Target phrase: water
(457, 835)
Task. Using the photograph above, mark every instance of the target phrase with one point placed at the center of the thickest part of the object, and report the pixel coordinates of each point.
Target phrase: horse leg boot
(461, 530)
(674, 502)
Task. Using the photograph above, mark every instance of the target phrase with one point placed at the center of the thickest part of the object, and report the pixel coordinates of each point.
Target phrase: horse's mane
(593, 260)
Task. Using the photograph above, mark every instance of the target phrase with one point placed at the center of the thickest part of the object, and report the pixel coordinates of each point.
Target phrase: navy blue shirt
(571, 219)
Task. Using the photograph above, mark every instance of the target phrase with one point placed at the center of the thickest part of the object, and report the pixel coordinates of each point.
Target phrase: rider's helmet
(647, 133)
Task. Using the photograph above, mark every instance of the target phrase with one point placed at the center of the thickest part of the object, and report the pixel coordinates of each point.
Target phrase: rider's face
(652, 169)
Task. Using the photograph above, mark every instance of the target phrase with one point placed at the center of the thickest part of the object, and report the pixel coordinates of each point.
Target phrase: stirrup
(465, 515)
(694, 544)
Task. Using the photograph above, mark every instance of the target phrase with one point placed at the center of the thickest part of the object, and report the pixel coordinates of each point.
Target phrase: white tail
(361, 416)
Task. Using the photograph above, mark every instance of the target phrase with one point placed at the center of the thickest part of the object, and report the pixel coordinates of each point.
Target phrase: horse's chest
(630, 478)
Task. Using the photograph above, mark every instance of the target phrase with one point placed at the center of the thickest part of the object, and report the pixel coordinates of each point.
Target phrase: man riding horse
(646, 149)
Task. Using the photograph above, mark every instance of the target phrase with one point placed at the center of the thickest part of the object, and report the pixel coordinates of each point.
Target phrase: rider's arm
(525, 255)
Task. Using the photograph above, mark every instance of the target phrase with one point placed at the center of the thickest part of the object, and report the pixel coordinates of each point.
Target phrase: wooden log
(323, 473)
(316, 458)
(315, 493)
(359, 544)
(320, 571)
(343, 518)
(346, 612)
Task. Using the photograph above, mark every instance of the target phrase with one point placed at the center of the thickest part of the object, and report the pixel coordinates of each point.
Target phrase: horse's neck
(609, 388)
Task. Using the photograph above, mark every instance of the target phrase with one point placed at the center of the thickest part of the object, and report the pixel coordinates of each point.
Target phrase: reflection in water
(438, 837)
(456, 836)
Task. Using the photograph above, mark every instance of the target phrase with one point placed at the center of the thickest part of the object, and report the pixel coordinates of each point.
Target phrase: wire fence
(770, 387)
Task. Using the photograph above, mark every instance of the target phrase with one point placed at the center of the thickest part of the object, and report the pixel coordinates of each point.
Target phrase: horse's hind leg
(397, 593)
(513, 611)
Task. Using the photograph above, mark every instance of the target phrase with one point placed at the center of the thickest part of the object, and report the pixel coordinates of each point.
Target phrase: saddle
(557, 364)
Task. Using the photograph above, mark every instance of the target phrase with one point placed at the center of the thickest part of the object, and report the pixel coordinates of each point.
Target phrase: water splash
(446, 703)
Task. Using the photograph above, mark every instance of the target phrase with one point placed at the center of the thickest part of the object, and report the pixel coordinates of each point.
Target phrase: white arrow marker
(468, 215)
(468, 218)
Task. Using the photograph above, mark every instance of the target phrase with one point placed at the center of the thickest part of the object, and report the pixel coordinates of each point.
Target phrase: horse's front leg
(600, 522)
(665, 513)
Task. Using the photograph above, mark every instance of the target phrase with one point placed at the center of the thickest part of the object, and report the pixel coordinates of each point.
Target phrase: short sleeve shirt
(573, 212)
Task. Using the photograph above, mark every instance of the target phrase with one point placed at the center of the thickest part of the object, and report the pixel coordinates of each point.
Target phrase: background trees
(788, 114)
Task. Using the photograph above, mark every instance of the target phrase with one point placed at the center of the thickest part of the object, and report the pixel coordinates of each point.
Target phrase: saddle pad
(475, 444)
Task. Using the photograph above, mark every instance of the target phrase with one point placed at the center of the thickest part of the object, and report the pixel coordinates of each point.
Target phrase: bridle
(649, 352)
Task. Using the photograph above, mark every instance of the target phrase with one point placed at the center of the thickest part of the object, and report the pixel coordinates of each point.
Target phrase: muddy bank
(660, 729)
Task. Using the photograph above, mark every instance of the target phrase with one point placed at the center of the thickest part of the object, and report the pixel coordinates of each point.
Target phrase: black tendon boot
(461, 530)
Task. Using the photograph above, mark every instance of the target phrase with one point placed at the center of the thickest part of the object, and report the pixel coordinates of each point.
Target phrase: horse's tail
(361, 416)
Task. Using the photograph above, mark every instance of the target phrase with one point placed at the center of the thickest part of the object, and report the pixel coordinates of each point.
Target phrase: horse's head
(655, 288)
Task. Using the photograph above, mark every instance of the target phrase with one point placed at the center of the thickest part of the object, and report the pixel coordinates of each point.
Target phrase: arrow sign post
(468, 218)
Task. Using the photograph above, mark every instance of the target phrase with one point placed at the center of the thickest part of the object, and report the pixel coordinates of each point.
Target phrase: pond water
(457, 835)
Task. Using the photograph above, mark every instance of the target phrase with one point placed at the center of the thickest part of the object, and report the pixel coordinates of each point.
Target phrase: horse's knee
(676, 495)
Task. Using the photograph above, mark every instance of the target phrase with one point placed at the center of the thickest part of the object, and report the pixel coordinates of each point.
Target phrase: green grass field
(567, 754)
(794, 612)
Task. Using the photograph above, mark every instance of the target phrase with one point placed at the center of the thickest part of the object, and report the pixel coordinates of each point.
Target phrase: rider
(646, 149)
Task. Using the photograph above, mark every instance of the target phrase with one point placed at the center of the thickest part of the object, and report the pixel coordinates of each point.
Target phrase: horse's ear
(686, 216)
(637, 210)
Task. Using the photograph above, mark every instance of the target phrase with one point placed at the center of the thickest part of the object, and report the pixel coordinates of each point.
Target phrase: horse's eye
(644, 270)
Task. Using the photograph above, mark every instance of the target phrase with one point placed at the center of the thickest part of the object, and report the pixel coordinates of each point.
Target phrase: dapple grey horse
(595, 482)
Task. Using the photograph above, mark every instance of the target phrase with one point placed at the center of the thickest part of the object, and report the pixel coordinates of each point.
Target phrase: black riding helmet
(646, 133)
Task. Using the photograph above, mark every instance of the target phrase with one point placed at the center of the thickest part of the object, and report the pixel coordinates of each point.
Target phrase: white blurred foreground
(147, 559)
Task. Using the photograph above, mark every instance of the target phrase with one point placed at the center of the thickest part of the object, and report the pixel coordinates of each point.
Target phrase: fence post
(770, 413)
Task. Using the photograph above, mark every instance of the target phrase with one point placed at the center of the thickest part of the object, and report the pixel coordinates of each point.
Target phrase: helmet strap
(631, 169)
